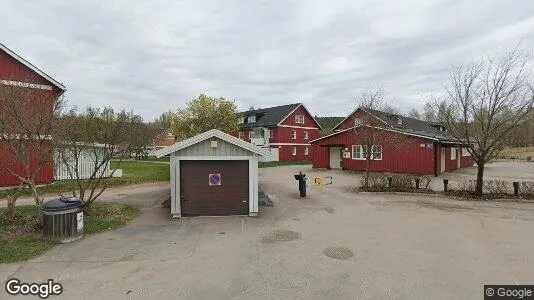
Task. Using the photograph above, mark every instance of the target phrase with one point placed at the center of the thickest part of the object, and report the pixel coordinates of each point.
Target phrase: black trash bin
(62, 220)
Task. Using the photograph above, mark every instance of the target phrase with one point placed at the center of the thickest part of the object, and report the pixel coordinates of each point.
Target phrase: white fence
(86, 167)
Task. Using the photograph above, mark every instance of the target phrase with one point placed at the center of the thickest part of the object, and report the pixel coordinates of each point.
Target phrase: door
(335, 157)
(214, 187)
(443, 159)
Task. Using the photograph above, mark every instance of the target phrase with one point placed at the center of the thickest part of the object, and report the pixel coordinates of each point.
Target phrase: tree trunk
(480, 179)
(366, 179)
(10, 213)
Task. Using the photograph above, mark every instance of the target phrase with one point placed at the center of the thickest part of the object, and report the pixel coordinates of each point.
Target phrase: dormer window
(251, 119)
(299, 119)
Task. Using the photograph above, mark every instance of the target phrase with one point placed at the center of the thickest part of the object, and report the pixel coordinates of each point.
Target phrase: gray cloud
(154, 56)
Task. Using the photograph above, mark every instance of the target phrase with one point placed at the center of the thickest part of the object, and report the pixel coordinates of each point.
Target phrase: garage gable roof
(210, 134)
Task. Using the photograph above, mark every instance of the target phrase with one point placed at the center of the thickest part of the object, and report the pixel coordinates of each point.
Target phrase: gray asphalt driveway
(404, 247)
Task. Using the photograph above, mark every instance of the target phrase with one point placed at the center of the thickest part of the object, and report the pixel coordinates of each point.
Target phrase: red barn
(285, 130)
(408, 145)
(40, 91)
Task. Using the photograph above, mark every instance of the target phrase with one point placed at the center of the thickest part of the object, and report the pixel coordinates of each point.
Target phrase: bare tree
(429, 113)
(486, 101)
(26, 118)
(95, 135)
(370, 130)
(414, 113)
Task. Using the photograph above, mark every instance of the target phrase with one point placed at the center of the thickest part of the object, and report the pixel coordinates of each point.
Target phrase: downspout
(436, 160)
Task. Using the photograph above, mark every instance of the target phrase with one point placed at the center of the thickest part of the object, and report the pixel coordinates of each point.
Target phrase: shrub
(526, 188)
(467, 185)
(399, 182)
(496, 186)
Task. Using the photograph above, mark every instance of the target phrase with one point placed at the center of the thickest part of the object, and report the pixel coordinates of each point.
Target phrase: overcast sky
(153, 56)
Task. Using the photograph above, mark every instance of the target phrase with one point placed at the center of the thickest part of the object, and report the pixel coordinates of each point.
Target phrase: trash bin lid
(63, 203)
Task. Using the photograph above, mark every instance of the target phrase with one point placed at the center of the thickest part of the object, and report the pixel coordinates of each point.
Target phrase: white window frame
(294, 151)
(453, 153)
(359, 152)
(242, 135)
(306, 151)
(250, 134)
(465, 152)
(299, 119)
(293, 134)
(374, 149)
(251, 119)
(271, 133)
(305, 135)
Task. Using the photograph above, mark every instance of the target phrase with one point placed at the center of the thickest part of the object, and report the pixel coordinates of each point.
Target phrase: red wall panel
(405, 155)
(8, 159)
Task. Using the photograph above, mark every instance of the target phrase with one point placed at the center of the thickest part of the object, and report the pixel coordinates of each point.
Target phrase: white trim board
(32, 67)
(298, 127)
(207, 135)
(353, 112)
(379, 128)
(288, 144)
(300, 104)
(26, 84)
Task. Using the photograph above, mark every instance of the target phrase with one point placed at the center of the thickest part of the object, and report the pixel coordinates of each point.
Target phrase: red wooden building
(40, 90)
(285, 130)
(405, 145)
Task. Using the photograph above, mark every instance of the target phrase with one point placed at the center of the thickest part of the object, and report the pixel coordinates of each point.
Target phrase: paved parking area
(403, 246)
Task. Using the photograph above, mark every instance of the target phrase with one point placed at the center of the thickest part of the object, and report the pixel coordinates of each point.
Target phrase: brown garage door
(214, 187)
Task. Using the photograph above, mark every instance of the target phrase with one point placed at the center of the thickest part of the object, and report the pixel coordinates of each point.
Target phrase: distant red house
(417, 147)
(286, 130)
(15, 71)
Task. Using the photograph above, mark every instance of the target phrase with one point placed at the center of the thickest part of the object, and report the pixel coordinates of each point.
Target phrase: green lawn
(134, 172)
(21, 240)
(518, 152)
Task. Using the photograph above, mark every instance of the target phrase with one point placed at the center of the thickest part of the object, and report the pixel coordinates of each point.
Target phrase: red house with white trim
(16, 72)
(414, 147)
(286, 130)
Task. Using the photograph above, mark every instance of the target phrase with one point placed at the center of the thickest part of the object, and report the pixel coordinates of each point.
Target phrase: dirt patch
(329, 209)
(338, 252)
(280, 236)
(443, 206)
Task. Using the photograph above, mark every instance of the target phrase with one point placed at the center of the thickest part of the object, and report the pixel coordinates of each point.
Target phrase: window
(251, 119)
(293, 134)
(306, 151)
(242, 135)
(377, 152)
(294, 151)
(359, 152)
(453, 153)
(299, 119)
(465, 152)
(251, 134)
(305, 135)
(271, 133)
